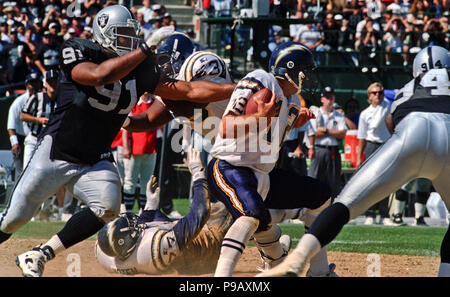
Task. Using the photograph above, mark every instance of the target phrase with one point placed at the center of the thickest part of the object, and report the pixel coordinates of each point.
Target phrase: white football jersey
(205, 65)
(145, 257)
(258, 151)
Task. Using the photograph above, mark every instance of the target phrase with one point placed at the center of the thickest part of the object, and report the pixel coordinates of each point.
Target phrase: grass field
(405, 240)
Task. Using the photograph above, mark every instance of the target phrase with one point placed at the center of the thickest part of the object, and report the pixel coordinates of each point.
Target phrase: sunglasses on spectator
(377, 92)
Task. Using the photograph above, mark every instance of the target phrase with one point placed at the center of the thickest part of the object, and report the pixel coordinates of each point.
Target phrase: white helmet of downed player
(115, 27)
(429, 58)
(292, 61)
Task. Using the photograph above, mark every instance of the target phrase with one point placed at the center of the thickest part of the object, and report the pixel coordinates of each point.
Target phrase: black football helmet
(292, 61)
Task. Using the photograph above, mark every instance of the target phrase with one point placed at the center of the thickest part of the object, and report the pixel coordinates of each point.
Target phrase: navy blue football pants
(237, 187)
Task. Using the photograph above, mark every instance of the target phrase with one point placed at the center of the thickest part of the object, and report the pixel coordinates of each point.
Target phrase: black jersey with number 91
(88, 118)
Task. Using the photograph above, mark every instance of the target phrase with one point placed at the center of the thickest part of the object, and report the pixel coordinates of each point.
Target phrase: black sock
(142, 201)
(4, 236)
(329, 223)
(79, 227)
(128, 200)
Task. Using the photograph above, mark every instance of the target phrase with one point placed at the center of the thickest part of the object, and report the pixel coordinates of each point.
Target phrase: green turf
(405, 240)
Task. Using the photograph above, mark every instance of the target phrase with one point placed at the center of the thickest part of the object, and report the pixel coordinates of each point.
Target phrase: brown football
(264, 95)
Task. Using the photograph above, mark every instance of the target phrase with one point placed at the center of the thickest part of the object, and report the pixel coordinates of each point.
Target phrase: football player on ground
(153, 244)
(418, 147)
(245, 180)
(100, 83)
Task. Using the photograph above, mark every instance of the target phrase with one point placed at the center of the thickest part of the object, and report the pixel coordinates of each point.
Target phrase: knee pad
(268, 236)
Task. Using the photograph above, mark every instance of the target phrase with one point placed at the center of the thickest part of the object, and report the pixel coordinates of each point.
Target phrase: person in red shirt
(139, 158)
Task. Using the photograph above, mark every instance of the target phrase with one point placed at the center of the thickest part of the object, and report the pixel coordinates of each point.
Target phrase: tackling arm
(201, 91)
(109, 71)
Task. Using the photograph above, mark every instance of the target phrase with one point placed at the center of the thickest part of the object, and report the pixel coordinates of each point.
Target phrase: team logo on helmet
(103, 20)
(290, 64)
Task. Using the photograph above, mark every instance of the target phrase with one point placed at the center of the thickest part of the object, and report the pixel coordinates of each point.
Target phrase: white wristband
(14, 140)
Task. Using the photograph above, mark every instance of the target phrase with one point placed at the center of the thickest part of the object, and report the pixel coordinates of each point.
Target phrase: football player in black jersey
(100, 82)
(418, 147)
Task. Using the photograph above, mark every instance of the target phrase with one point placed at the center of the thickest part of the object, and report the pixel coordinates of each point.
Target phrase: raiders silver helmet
(429, 58)
(115, 27)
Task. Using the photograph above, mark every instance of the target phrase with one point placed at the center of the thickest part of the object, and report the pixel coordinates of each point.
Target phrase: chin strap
(301, 77)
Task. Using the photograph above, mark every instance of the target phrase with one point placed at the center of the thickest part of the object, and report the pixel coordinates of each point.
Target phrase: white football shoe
(268, 262)
(330, 272)
(32, 262)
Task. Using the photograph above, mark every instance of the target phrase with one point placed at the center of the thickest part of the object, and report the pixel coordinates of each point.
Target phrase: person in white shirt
(329, 127)
(17, 129)
(372, 133)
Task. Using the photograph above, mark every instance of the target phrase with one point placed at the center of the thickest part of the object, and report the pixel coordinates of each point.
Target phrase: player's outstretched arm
(109, 71)
(154, 117)
(201, 91)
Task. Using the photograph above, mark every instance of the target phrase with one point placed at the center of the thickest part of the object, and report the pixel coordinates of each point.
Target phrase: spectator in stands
(18, 58)
(395, 34)
(436, 32)
(365, 31)
(4, 36)
(146, 28)
(47, 56)
(367, 44)
(330, 28)
(418, 12)
(399, 8)
(309, 35)
(167, 17)
(414, 39)
(54, 29)
(146, 10)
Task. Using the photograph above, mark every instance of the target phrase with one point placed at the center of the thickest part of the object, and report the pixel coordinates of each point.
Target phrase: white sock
(399, 206)
(55, 244)
(444, 270)
(419, 209)
(319, 262)
(307, 247)
(269, 242)
(234, 244)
